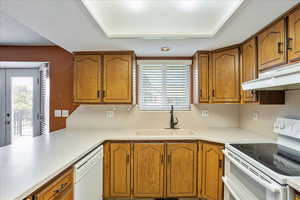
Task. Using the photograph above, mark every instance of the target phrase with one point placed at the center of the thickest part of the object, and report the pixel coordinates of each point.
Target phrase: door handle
(7, 122)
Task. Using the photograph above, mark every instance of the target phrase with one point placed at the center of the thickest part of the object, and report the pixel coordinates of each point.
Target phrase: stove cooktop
(281, 159)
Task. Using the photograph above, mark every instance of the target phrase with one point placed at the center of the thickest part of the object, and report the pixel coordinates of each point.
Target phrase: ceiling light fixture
(165, 49)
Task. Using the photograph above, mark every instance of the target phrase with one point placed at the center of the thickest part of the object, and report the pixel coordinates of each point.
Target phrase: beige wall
(268, 113)
(93, 116)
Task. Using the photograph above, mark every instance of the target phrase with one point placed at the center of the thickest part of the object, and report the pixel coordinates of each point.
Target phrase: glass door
(22, 104)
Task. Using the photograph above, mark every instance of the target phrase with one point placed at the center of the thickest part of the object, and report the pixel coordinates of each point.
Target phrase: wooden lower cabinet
(60, 189)
(212, 171)
(182, 169)
(120, 170)
(149, 170)
(297, 196)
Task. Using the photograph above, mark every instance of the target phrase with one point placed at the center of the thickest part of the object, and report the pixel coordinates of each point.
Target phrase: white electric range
(260, 171)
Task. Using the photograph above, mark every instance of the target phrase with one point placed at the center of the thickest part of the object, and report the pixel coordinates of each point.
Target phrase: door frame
(22, 72)
(2, 108)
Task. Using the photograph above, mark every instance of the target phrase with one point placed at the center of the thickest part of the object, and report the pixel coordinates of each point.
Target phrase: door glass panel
(21, 107)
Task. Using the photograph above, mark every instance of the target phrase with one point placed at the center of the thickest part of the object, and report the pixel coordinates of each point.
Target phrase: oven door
(244, 182)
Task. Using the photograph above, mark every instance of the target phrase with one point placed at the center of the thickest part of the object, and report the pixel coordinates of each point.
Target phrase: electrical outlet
(255, 115)
(57, 113)
(204, 113)
(65, 113)
(110, 114)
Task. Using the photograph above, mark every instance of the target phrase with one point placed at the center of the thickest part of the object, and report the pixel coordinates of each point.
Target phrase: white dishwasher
(88, 176)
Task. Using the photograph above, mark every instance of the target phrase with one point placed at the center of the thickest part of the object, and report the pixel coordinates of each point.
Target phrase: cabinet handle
(279, 44)
(103, 93)
(127, 158)
(56, 191)
(200, 93)
(98, 93)
(213, 93)
(220, 163)
(289, 46)
(169, 158)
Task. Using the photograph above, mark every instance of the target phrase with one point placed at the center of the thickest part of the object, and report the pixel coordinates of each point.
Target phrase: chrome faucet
(173, 122)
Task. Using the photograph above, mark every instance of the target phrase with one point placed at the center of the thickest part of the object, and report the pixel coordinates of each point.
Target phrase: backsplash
(268, 113)
(95, 116)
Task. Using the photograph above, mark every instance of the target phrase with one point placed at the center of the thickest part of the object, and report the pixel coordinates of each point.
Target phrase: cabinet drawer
(57, 187)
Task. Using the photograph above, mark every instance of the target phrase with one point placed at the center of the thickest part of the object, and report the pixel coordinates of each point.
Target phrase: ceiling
(13, 32)
(155, 19)
(68, 24)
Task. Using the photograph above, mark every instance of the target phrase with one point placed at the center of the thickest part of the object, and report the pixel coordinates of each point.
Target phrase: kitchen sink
(164, 132)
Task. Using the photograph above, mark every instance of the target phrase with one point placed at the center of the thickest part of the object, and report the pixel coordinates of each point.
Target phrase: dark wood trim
(104, 53)
(164, 58)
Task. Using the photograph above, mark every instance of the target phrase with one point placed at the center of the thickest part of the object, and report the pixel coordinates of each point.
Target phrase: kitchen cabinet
(212, 171)
(272, 46)
(297, 196)
(87, 79)
(294, 36)
(103, 77)
(249, 68)
(149, 170)
(203, 76)
(60, 189)
(182, 169)
(225, 76)
(120, 170)
(117, 78)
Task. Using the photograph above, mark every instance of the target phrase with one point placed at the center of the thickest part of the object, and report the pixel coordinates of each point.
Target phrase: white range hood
(283, 78)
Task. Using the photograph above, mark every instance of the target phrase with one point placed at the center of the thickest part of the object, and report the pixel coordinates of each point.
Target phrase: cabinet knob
(289, 46)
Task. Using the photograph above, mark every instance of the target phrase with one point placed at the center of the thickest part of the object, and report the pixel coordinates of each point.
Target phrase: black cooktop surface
(280, 159)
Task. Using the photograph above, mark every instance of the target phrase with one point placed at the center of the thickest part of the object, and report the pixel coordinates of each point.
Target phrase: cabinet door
(87, 79)
(117, 79)
(120, 169)
(226, 82)
(68, 195)
(212, 172)
(149, 162)
(294, 36)
(271, 46)
(249, 67)
(182, 170)
(203, 62)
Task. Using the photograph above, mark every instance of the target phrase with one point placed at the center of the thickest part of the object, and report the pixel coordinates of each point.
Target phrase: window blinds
(161, 86)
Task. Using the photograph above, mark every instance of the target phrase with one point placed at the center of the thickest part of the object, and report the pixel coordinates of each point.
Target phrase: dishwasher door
(88, 176)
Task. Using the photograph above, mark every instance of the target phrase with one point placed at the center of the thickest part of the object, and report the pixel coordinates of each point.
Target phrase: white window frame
(165, 107)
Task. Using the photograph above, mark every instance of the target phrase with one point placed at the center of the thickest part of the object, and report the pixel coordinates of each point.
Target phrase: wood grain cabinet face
(249, 67)
(149, 167)
(297, 196)
(203, 69)
(271, 46)
(120, 170)
(87, 79)
(294, 36)
(117, 78)
(212, 172)
(68, 195)
(225, 75)
(182, 170)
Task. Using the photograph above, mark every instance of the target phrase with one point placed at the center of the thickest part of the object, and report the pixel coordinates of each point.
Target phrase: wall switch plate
(65, 113)
(204, 113)
(110, 114)
(255, 115)
(57, 113)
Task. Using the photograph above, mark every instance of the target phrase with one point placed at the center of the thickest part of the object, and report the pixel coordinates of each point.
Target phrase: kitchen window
(164, 83)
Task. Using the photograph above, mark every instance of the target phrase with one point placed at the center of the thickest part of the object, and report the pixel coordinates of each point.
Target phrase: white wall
(93, 116)
(268, 113)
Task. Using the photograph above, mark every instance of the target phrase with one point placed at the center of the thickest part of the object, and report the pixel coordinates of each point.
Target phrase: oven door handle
(253, 173)
(229, 187)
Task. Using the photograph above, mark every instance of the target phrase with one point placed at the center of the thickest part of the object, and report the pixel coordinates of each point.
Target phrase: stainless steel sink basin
(164, 132)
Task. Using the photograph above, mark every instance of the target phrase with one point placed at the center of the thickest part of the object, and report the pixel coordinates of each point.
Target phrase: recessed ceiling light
(165, 49)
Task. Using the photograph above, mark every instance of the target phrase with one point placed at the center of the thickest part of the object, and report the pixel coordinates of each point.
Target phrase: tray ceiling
(161, 19)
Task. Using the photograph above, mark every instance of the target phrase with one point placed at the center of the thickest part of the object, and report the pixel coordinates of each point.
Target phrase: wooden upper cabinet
(212, 171)
(203, 69)
(117, 79)
(149, 162)
(271, 46)
(294, 36)
(225, 76)
(182, 170)
(249, 67)
(87, 78)
(120, 170)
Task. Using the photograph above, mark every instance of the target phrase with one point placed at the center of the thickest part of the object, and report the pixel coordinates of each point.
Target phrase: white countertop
(27, 165)
(294, 182)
